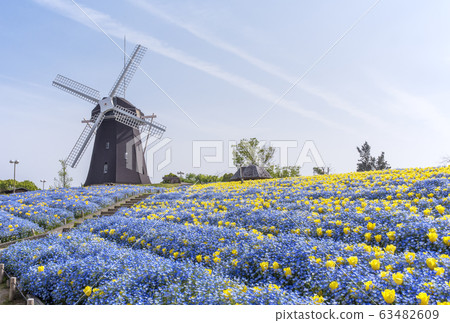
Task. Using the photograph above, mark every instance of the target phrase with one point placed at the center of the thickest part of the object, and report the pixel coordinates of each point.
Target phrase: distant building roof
(251, 172)
(18, 190)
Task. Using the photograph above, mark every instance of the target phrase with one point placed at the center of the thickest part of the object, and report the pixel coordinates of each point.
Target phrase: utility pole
(15, 162)
(240, 172)
(43, 183)
(180, 173)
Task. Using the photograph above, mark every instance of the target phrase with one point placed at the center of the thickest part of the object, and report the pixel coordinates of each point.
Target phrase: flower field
(40, 211)
(378, 237)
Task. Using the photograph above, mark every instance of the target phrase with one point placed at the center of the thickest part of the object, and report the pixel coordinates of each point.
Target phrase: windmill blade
(83, 141)
(130, 119)
(154, 129)
(128, 71)
(79, 90)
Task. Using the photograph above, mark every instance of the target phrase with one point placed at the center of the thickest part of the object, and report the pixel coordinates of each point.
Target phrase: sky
(315, 79)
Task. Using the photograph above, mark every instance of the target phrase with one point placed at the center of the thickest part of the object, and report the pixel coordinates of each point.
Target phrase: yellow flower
(397, 278)
(87, 290)
(59, 272)
(410, 270)
(330, 264)
(431, 263)
(432, 236)
(287, 272)
(391, 235)
(333, 285)
(264, 265)
(40, 268)
(409, 257)
(352, 260)
(375, 264)
(199, 258)
(371, 226)
(227, 292)
(368, 285)
(319, 232)
(329, 233)
(439, 271)
(384, 275)
(346, 230)
(446, 240)
(368, 236)
(390, 248)
(217, 260)
(424, 298)
(317, 299)
(275, 265)
(389, 295)
(68, 237)
(378, 237)
(440, 209)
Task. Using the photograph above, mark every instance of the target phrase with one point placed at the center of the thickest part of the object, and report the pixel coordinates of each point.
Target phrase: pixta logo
(216, 151)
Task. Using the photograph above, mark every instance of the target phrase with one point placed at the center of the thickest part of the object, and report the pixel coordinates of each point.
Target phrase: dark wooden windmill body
(118, 126)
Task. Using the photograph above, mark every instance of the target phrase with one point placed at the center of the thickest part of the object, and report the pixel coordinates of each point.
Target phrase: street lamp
(15, 162)
(43, 183)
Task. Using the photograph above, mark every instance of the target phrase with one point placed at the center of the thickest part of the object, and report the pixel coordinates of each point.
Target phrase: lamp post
(43, 183)
(180, 173)
(15, 162)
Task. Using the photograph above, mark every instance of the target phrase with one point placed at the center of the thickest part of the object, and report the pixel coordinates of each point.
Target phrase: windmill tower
(117, 125)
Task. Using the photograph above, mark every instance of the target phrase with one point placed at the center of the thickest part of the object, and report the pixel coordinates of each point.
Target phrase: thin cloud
(330, 98)
(419, 109)
(117, 30)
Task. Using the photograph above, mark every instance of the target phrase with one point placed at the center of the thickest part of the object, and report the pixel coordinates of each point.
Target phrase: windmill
(117, 125)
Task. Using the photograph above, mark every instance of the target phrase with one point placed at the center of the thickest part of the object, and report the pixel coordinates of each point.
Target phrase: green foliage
(7, 185)
(366, 162)
(203, 178)
(226, 177)
(248, 152)
(281, 172)
(170, 177)
(63, 180)
(321, 170)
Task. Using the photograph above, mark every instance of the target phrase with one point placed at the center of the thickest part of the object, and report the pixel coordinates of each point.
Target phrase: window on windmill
(105, 168)
(107, 145)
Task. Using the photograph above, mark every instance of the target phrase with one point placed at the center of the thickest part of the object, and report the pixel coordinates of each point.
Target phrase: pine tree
(366, 162)
(382, 163)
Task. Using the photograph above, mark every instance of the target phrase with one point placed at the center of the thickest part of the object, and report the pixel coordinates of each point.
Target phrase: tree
(226, 177)
(63, 180)
(281, 172)
(248, 152)
(321, 170)
(381, 163)
(7, 185)
(366, 162)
